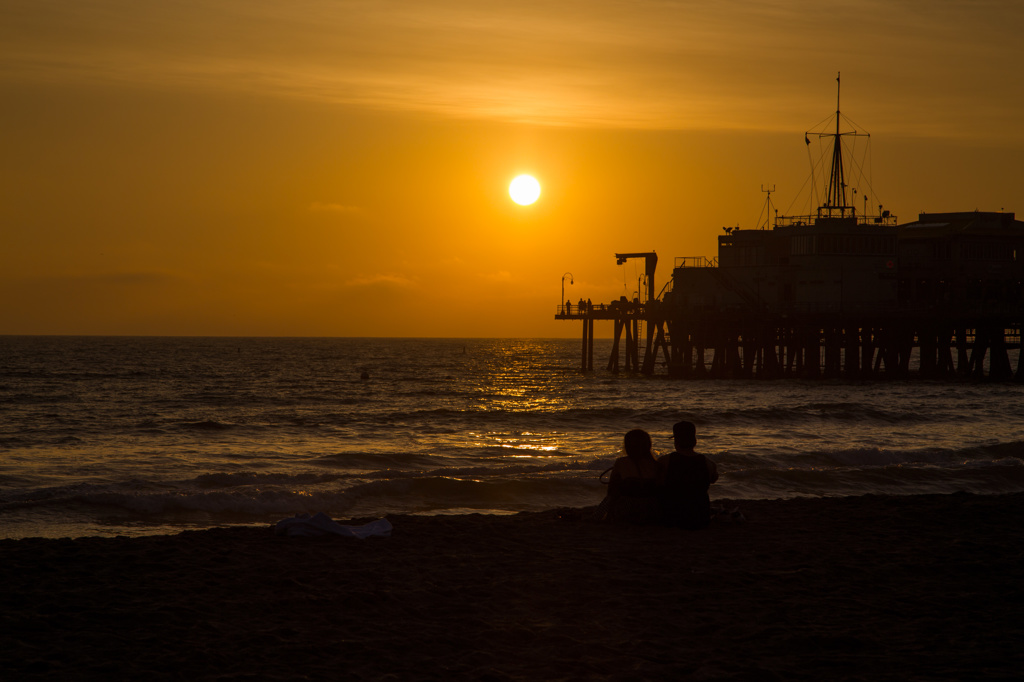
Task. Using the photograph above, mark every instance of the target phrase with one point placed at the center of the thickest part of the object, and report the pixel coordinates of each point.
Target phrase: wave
(1003, 476)
(871, 457)
(207, 425)
(523, 469)
(996, 450)
(809, 412)
(232, 497)
(437, 494)
(245, 502)
(246, 478)
(664, 417)
(432, 493)
(367, 465)
(807, 417)
(365, 461)
(40, 399)
(993, 468)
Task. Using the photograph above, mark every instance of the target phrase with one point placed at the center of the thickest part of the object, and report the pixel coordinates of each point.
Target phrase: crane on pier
(651, 263)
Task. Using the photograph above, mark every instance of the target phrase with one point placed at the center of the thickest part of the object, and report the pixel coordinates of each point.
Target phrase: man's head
(685, 434)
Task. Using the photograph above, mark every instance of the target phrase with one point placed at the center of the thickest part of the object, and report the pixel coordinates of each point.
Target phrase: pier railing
(696, 262)
(601, 310)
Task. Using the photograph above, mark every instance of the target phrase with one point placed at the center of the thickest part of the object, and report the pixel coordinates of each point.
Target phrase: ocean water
(134, 436)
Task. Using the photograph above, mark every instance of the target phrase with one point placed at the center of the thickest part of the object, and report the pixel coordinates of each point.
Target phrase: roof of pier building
(968, 223)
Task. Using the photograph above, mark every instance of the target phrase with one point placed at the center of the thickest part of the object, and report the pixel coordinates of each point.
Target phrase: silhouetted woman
(633, 486)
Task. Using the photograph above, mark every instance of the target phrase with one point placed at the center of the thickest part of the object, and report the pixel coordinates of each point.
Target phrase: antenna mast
(767, 205)
(837, 181)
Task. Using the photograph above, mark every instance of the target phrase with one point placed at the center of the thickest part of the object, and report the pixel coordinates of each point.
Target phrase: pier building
(941, 297)
(838, 294)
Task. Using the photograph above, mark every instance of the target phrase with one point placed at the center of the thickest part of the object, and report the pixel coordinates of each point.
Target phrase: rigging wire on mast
(814, 186)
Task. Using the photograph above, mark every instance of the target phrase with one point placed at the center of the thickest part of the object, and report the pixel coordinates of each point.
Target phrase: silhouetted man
(686, 477)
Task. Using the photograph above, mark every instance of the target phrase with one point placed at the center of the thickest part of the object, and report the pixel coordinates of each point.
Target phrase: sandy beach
(909, 588)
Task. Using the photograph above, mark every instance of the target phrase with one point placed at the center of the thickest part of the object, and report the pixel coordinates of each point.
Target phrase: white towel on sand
(304, 525)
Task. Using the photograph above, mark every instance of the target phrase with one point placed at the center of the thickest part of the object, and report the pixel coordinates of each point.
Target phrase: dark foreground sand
(914, 588)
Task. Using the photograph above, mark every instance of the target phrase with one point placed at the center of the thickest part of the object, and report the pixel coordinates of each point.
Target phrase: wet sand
(907, 588)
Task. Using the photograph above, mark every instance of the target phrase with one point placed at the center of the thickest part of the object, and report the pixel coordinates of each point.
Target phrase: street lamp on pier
(562, 302)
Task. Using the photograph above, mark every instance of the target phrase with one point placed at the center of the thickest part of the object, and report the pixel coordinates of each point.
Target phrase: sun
(524, 190)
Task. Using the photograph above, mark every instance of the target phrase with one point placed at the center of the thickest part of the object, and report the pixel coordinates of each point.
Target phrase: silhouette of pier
(941, 298)
(843, 293)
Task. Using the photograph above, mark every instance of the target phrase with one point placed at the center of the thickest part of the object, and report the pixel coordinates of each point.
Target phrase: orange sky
(328, 168)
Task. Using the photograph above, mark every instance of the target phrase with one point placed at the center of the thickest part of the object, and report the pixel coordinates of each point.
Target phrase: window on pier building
(845, 244)
(976, 249)
(860, 245)
(740, 255)
(803, 245)
(748, 255)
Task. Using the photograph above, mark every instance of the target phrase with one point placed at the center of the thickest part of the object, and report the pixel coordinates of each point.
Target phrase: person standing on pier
(684, 478)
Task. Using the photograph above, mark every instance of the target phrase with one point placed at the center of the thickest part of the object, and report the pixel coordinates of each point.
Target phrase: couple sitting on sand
(671, 490)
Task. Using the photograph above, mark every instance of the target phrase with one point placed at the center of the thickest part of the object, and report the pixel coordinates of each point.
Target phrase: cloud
(645, 64)
(381, 282)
